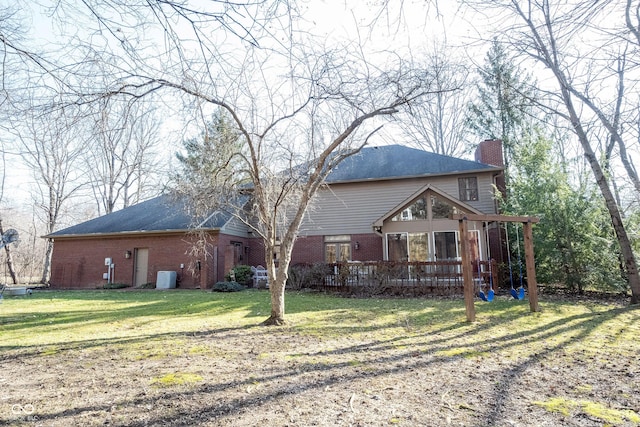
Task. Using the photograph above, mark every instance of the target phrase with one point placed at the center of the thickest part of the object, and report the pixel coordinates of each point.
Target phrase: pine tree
(504, 101)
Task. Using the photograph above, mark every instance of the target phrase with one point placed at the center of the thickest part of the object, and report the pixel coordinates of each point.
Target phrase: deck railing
(443, 277)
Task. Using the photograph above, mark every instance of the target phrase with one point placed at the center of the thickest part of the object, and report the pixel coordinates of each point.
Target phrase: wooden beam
(495, 218)
(532, 284)
(467, 272)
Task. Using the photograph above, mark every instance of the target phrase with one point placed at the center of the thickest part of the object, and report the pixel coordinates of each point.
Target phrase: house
(384, 203)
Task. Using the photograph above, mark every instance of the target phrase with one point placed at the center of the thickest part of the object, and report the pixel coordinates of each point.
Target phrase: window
(337, 248)
(417, 211)
(446, 245)
(468, 188)
(418, 247)
(397, 249)
(441, 209)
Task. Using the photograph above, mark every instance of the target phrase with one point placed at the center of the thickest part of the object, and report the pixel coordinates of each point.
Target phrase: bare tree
(437, 122)
(50, 147)
(122, 159)
(300, 105)
(576, 42)
(297, 146)
(7, 248)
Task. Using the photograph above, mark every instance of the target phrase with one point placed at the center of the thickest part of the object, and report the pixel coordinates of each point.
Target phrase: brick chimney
(489, 152)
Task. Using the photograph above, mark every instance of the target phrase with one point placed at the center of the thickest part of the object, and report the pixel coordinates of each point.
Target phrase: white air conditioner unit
(166, 280)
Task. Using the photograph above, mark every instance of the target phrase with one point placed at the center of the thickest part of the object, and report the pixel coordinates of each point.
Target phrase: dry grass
(194, 358)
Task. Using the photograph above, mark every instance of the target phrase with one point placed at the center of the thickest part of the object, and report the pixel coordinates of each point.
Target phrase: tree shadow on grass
(382, 357)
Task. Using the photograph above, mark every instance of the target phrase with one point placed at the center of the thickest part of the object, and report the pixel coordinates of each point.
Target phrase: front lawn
(174, 358)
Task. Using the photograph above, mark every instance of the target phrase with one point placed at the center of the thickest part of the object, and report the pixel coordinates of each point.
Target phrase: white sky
(411, 29)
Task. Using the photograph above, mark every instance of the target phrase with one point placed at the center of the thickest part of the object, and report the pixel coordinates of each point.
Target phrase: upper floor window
(468, 188)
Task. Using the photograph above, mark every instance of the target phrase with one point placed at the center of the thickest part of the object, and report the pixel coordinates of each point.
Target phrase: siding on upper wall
(235, 227)
(352, 208)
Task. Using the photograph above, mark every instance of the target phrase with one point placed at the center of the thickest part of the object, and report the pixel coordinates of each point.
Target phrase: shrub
(242, 274)
(148, 285)
(307, 275)
(115, 285)
(227, 287)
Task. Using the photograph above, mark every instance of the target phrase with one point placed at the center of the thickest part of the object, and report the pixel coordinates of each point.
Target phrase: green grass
(567, 407)
(159, 326)
(51, 320)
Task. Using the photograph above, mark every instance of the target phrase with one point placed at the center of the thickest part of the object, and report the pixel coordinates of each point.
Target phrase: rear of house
(393, 203)
(385, 203)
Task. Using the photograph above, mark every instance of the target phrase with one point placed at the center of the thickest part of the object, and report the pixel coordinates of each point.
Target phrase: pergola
(467, 273)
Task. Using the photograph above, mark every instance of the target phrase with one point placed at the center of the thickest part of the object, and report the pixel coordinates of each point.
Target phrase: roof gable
(397, 161)
(427, 188)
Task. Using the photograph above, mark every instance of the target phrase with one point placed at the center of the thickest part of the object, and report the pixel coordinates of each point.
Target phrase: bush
(148, 285)
(227, 287)
(242, 274)
(308, 275)
(115, 285)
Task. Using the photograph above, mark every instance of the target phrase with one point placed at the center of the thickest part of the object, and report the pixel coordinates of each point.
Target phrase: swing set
(467, 271)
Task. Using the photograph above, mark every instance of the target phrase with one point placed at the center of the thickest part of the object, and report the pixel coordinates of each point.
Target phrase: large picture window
(468, 187)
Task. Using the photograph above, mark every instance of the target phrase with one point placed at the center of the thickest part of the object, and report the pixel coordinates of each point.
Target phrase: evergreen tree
(211, 162)
(504, 101)
(574, 242)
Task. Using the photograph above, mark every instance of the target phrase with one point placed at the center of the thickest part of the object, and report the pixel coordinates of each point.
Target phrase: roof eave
(127, 233)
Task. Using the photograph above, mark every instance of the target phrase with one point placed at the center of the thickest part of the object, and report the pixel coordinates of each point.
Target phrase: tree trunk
(277, 282)
(46, 269)
(631, 267)
(7, 249)
(546, 53)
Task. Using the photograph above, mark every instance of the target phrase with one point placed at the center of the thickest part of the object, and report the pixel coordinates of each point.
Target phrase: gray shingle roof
(397, 161)
(162, 213)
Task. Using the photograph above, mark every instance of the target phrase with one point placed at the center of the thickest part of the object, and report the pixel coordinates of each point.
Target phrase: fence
(390, 278)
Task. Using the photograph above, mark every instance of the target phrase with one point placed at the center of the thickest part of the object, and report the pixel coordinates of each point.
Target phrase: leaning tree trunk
(7, 249)
(46, 269)
(630, 265)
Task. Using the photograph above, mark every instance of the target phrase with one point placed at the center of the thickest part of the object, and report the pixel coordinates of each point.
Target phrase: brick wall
(310, 249)
(369, 247)
(79, 263)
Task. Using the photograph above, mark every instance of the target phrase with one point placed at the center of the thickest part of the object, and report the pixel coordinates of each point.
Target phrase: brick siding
(79, 263)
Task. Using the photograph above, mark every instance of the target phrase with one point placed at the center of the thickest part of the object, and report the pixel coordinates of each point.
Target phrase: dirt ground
(259, 376)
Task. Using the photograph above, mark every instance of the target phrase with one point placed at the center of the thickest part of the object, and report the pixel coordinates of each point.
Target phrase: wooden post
(532, 284)
(467, 273)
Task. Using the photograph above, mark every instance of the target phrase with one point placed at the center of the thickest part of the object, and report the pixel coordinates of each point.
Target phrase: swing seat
(517, 293)
(488, 297)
